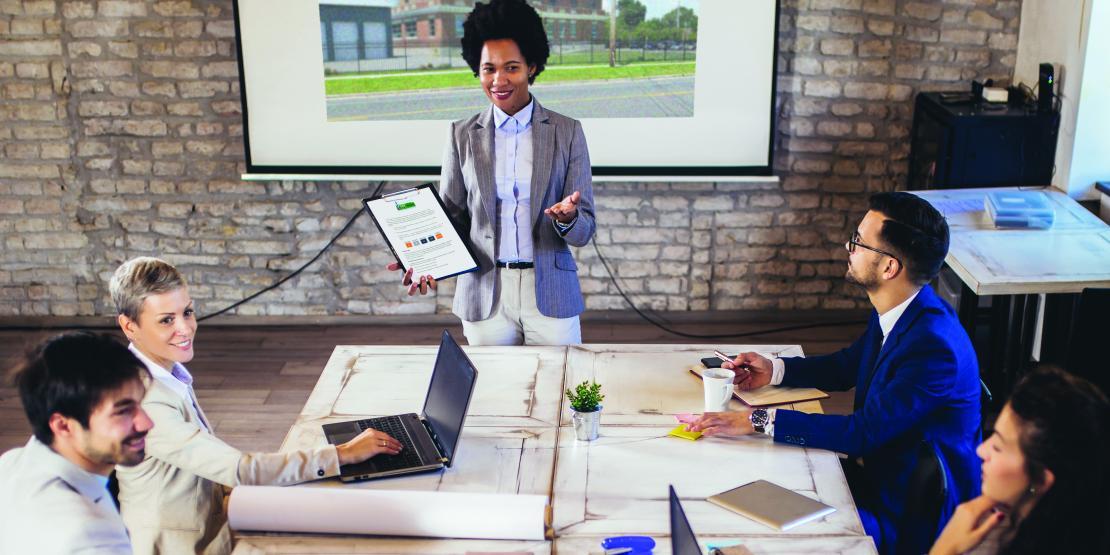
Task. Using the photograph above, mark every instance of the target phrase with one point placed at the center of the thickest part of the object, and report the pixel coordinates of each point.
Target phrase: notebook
(772, 394)
(772, 505)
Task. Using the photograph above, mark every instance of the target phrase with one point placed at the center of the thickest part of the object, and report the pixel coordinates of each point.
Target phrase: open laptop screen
(683, 541)
(449, 394)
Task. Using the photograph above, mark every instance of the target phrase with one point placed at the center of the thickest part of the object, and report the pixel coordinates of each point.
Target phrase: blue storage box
(1027, 209)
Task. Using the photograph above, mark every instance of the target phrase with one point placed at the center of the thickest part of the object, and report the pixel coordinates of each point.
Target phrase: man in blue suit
(914, 370)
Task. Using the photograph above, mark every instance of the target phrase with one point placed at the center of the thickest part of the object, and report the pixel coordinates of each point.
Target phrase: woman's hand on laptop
(369, 443)
(423, 285)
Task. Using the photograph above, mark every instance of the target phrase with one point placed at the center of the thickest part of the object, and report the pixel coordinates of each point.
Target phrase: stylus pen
(725, 358)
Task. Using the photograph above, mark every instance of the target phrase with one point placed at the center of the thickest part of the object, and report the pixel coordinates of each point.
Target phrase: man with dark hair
(82, 395)
(915, 374)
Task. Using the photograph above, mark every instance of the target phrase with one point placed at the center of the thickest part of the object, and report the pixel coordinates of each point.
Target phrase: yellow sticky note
(680, 431)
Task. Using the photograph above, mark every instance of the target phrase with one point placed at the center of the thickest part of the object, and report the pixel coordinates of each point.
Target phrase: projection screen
(369, 87)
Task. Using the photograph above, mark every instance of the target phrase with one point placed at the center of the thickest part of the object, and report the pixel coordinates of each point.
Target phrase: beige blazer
(172, 502)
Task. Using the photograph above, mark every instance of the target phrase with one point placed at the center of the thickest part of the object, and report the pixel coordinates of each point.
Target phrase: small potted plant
(585, 401)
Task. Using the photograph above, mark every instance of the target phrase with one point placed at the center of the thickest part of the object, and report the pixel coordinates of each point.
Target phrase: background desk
(518, 439)
(1020, 268)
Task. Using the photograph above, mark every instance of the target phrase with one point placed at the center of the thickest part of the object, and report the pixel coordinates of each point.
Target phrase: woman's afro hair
(505, 19)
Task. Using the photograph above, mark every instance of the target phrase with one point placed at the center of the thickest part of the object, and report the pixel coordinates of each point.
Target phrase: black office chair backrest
(1087, 351)
(926, 491)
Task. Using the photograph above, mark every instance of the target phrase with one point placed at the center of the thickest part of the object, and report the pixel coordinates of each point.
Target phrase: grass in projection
(386, 61)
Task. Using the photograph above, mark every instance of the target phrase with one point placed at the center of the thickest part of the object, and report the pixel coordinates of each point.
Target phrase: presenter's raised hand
(752, 370)
(566, 210)
(423, 285)
(369, 443)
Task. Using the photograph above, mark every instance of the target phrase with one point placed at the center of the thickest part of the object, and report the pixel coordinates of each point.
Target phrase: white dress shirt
(887, 320)
(51, 505)
(512, 158)
(512, 174)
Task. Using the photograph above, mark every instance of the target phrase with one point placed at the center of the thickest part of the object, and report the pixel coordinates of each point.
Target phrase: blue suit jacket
(560, 166)
(923, 387)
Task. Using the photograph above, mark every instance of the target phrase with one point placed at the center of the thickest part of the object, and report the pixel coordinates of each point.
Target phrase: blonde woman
(172, 502)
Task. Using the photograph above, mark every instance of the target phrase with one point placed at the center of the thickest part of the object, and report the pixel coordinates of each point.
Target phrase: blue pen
(636, 545)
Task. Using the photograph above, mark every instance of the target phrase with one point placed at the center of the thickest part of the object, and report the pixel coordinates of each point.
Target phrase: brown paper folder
(771, 394)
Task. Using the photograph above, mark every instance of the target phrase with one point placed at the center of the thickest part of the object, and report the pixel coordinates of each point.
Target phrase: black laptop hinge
(435, 440)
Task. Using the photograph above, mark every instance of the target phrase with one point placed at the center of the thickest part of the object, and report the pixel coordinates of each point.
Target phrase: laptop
(431, 439)
(683, 541)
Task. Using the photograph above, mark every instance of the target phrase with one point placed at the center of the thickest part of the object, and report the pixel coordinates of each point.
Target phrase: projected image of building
(354, 30)
(644, 68)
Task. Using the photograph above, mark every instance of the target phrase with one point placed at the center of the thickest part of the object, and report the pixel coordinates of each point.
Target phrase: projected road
(659, 97)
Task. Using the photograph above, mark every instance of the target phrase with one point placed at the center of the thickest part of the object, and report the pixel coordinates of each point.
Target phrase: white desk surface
(1068, 257)
(513, 443)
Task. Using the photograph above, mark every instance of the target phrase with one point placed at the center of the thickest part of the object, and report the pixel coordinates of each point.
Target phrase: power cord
(294, 274)
(613, 278)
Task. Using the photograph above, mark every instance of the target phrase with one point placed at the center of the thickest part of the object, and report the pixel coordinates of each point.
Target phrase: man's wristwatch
(759, 418)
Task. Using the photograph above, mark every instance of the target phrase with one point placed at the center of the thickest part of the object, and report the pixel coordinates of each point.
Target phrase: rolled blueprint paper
(430, 514)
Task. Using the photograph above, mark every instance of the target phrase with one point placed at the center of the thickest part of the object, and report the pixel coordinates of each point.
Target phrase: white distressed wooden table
(518, 439)
(1068, 257)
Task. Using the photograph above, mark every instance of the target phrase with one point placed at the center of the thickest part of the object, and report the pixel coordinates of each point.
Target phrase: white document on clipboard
(417, 229)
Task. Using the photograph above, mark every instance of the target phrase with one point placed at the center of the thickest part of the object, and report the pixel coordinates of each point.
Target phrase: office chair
(1087, 352)
(928, 489)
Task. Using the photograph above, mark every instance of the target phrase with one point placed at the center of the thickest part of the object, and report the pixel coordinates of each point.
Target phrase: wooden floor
(253, 381)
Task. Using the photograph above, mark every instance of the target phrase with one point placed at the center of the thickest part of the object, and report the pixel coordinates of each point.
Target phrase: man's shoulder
(21, 474)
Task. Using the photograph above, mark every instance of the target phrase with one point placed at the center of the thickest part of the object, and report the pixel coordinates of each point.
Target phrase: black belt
(516, 265)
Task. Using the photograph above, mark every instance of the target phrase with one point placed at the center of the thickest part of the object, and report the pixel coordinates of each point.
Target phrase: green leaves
(586, 397)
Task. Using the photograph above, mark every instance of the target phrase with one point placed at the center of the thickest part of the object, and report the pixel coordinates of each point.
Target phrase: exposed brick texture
(120, 135)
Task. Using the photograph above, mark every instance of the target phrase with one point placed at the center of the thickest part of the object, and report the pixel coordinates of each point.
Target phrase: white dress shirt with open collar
(52, 506)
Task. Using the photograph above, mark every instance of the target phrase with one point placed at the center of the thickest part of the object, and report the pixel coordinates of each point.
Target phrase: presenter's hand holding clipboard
(421, 236)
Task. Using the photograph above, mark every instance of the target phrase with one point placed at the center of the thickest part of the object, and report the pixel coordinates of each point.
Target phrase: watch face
(760, 417)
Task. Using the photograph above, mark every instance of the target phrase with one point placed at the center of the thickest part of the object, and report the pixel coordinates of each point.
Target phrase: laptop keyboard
(407, 458)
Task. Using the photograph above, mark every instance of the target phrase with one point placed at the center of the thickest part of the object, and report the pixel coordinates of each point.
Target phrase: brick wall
(120, 135)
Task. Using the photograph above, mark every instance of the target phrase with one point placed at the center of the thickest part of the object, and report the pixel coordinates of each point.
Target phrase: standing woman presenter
(516, 181)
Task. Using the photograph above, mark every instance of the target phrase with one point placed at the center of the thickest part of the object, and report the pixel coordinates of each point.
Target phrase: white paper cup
(718, 388)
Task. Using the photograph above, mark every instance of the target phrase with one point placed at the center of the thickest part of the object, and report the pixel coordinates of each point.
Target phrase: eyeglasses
(855, 242)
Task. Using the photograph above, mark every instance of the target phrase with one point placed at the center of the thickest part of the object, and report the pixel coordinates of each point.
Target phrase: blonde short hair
(139, 278)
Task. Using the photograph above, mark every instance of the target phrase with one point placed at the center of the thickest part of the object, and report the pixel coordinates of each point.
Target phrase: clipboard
(770, 395)
(425, 239)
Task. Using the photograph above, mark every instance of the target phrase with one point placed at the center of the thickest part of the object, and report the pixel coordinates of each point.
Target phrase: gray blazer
(560, 166)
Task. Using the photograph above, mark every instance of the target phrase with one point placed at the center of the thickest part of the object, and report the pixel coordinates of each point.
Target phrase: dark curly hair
(1065, 428)
(505, 19)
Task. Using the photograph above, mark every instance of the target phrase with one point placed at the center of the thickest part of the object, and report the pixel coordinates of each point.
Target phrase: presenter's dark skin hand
(565, 211)
(753, 371)
(422, 285)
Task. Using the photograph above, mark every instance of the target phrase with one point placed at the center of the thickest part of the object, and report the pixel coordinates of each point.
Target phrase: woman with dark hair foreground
(1046, 474)
(506, 172)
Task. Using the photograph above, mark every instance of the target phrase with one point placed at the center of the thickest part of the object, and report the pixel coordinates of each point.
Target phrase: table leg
(968, 310)
(1059, 313)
